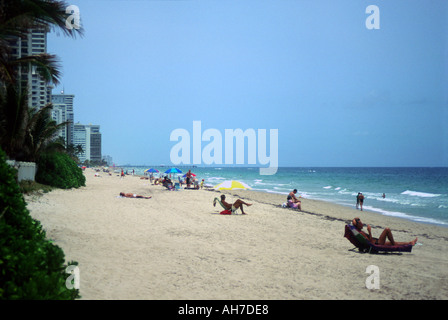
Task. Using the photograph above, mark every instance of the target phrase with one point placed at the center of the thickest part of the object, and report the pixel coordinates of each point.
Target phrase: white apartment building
(63, 111)
(89, 137)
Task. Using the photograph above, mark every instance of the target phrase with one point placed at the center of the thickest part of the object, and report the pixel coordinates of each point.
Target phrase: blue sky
(338, 93)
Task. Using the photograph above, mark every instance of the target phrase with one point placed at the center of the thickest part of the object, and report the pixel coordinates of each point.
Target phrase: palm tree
(17, 18)
(41, 132)
(25, 133)
(13, 118)
(79, 149)
(72, 150)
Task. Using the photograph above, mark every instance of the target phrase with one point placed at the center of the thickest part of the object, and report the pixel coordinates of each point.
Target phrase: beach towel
(353, 235)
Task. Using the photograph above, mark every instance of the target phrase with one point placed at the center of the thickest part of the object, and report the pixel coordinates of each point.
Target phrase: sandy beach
(176, 245)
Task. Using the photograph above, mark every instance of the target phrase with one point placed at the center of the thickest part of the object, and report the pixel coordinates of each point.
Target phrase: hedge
(59, 170)
(31, 266)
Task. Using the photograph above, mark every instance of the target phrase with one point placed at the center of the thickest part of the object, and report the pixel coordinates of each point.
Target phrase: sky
(337, 92)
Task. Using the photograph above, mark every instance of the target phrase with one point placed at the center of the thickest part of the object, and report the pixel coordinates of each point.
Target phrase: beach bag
(226, 212)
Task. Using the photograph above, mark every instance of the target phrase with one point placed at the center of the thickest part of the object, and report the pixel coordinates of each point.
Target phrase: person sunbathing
(133, 195)
(238, 204)
(386, 234)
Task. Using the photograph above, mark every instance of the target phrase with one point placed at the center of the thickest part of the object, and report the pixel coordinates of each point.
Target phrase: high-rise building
(89, 137)
(62, 112)
(108, 160)
(34, 44)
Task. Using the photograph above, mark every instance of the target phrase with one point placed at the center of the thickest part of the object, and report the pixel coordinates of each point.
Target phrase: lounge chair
(353, 235)
(226, 211)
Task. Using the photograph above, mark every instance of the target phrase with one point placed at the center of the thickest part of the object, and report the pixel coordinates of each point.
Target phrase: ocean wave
(387, 200)
(420, 194)
(271, 191)
(282, 188)
(327, 187)
(216, 178)
(405, 216)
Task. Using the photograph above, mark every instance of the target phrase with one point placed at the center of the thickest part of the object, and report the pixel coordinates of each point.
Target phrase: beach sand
(176, 245)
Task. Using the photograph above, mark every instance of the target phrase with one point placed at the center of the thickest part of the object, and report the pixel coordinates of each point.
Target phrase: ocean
(417, 194)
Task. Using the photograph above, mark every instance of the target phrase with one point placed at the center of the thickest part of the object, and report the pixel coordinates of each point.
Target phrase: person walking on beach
(357, 200)
(237, 204)
(385, 235)
(361, 200)
(122, 174)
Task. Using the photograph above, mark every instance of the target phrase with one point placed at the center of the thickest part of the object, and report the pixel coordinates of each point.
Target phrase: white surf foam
(420, 194)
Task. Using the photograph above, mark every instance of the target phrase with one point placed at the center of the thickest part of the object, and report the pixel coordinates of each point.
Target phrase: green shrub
(31, 267)
(32, 187)
(59, 170)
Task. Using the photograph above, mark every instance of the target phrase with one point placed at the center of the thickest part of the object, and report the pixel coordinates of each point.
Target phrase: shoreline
(317, 207)
(377, 210)
(176, 245)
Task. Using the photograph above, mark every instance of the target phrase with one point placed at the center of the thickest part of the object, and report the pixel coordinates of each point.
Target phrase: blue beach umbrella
(152, 170)
(173, 170)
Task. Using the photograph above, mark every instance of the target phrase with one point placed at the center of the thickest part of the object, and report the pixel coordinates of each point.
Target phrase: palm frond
(47, 65)
(17, 17)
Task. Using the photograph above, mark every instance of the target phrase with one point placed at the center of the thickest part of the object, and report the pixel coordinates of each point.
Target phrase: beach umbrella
(151, 170)
(173, 170)
(230, 185)
(191, 174)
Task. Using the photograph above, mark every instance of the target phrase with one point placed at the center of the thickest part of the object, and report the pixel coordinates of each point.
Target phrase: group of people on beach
(386, 237)
(191, 182)
(293, 201)
(360, 200)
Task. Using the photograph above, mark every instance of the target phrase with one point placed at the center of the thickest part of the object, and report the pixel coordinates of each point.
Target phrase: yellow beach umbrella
(230, 185)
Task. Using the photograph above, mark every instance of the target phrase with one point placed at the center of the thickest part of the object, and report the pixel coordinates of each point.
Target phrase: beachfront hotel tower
(63, 111)
(89, 137)
(34, 43)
